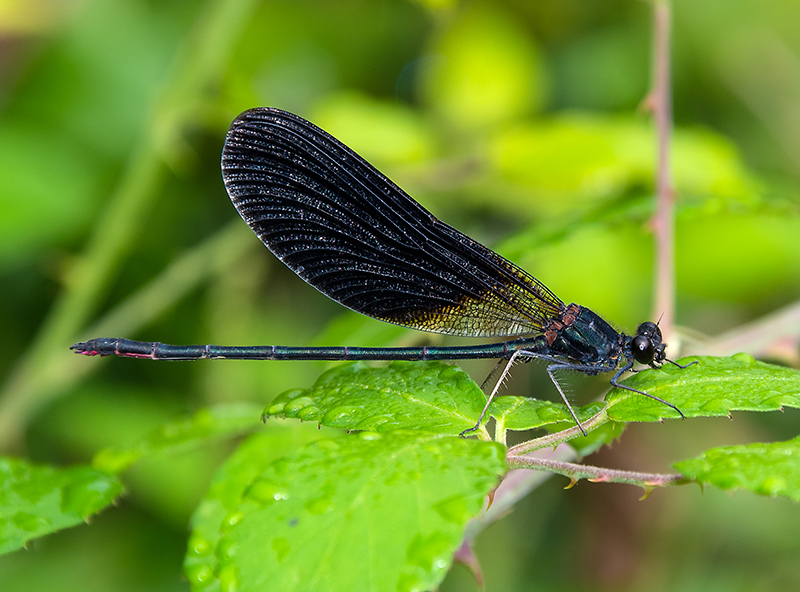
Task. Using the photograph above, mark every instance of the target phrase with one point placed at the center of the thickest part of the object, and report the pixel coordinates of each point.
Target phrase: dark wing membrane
(358, 238)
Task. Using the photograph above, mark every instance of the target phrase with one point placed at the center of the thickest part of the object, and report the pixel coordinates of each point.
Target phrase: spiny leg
(496, 388)
(500, 362)
(556, 365)
(560, 365)
(550, 370)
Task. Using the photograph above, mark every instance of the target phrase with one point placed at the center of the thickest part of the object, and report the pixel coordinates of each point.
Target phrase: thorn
(490, 498)
(646, 494)
(601, 479)
(572, 483)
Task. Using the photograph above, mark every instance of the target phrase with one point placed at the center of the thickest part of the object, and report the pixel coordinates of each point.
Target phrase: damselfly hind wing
(354, 235)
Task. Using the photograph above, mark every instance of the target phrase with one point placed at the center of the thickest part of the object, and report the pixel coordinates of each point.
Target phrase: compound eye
(643, 349)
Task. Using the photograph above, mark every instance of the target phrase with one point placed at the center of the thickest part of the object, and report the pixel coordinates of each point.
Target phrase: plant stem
(595, 474)
(556, 438)
(660, 102)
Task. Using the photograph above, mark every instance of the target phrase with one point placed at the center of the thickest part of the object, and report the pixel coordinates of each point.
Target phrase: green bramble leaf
(771, 469)
(523, 413)
(430, 396)
(713, 387)
(247, 462)
(366, 511)
(36, 500)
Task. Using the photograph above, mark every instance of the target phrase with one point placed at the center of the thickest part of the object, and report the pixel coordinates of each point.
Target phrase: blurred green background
(518, 122)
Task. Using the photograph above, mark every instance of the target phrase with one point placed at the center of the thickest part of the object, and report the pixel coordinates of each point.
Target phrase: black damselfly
(355, 236)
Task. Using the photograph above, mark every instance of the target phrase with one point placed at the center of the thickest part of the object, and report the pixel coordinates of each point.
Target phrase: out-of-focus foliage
(45, 500)
(518, 122)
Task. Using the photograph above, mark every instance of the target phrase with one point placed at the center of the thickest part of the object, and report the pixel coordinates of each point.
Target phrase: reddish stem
(660, 102)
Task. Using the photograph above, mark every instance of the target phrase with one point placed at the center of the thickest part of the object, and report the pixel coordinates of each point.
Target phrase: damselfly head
(646, 345)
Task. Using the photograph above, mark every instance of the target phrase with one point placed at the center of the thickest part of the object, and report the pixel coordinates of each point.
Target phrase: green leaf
(711, 388)
(432, 396)
(523, 413)
(362, 512)
(767, 469)
(249, 460)
(220, 421)
(36, 500)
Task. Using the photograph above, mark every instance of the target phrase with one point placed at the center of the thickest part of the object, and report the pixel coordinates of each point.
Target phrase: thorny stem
(554, 439)
(595, 474)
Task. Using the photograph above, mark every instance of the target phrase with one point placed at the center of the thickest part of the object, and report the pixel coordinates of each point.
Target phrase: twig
(596, 474)
(660, 103)
(556, 438)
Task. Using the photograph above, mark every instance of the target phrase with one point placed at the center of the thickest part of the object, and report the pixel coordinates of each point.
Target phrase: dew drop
(231, 520)
(310, 412)
(413, 475)
(297, 405)
(276, 409)
(369, 436)
(744, 358)
(199, 574)
(82, 495)
(200, 546)
(336, 414)
(449, 372)
(266, 492)
(774, 486)
(372, 422)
